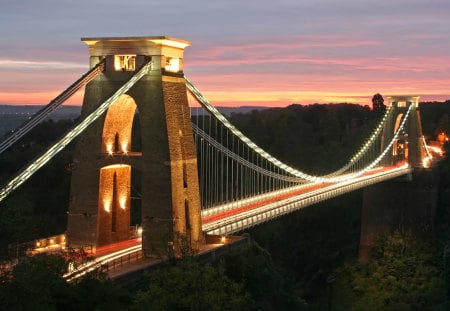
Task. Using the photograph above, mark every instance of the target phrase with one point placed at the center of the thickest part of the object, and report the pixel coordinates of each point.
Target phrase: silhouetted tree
(378, 103)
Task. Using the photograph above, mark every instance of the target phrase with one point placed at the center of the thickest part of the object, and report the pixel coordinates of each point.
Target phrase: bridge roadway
(238, 216)
(227, 219)
(126, 258)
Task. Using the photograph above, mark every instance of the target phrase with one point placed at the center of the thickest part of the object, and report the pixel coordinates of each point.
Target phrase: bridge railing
(105, 263)
(122, 261)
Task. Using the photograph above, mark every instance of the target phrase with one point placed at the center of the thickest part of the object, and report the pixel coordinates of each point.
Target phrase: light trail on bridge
(238, 219)
(99, 261)
(286, 194)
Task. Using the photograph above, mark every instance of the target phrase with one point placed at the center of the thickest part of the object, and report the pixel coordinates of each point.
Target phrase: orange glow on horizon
(252, 97)
(39, 98)
(241, 98)
(284, 98)
(274, 90)
(281, 98)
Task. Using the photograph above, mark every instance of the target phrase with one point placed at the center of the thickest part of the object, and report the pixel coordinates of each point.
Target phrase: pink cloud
(279, 71)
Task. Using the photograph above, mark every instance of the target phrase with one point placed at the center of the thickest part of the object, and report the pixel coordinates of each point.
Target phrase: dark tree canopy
(378, 103)
(188, 285)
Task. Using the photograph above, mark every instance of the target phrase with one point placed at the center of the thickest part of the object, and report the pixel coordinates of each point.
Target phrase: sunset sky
(265, 52)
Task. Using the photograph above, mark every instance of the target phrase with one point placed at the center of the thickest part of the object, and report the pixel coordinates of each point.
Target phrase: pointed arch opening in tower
(120, 129)
(400, 146)
(114, 204)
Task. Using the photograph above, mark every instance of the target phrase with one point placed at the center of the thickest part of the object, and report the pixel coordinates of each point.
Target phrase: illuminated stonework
(114, 203)
(410, 147)
(125, 62)
(172, 64)
(165, 167)
(118, 125)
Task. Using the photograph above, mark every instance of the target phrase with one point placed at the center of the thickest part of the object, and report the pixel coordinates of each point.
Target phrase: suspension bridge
(196, 174)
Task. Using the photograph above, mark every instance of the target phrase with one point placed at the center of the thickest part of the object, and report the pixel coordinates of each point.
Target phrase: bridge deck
(227, 221)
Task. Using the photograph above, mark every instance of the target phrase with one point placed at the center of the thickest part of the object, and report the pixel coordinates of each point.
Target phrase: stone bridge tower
(409, 144)
(405, 203)
(138, 158)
